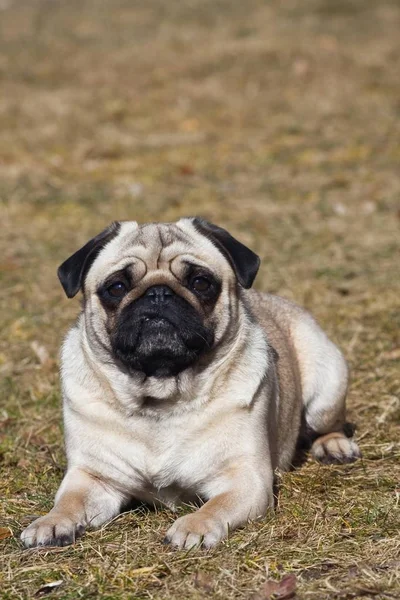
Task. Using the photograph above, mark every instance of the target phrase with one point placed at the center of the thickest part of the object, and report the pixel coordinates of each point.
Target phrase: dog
(181, 384)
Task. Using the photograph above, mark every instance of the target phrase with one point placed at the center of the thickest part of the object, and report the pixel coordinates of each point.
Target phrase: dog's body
(185, 385)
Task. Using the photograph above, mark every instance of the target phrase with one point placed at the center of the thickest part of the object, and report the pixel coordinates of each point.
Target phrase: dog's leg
(246, 497)
(324, 379)
(82, 500)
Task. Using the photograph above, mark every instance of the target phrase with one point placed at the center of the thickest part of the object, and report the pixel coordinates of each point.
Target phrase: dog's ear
(72, 272)
(244, 261)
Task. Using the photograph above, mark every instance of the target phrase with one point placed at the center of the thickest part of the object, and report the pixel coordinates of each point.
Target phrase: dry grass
(279, 120)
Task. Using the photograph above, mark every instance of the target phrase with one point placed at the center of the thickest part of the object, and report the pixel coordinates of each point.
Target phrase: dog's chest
(176, 455)
(171, 458)
(166, 459)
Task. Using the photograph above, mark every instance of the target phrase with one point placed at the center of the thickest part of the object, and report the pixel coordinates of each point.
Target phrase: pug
(181, 384)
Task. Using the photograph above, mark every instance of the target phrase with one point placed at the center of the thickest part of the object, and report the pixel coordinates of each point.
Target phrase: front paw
(196, 530)
(51, 530)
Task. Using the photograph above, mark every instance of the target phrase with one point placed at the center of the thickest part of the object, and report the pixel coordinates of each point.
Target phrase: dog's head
(158, 297)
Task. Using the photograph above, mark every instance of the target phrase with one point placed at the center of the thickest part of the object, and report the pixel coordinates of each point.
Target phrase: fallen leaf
(277, 590)
(203, 581)
(186, 169)
(9, 265)
(5, 533)
(48, 588)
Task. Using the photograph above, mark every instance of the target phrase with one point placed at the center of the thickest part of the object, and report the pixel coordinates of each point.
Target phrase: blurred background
(278, 120)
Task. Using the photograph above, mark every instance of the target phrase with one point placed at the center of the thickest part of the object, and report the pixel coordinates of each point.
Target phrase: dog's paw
(196, 530)
(51, 530)
(335, 448)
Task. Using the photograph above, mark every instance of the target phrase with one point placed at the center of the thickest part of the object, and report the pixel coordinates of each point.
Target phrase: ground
(277, 120)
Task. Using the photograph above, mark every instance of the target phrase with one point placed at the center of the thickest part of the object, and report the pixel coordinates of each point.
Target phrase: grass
(278, 120)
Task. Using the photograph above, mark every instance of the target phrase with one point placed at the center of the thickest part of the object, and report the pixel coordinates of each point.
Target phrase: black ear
(72, 272)
(244, 261)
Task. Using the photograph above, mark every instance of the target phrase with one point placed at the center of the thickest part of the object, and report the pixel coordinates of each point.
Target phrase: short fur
(173, 394)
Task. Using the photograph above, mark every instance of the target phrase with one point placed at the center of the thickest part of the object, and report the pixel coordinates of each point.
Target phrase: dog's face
(159, 297)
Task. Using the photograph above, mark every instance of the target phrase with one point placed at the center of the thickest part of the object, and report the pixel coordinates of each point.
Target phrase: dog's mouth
(156, 321)
(160, 343)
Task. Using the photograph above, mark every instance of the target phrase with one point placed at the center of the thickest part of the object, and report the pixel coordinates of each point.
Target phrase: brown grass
(278, 120)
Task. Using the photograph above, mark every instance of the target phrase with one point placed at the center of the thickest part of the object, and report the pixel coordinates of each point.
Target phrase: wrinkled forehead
(156, 245)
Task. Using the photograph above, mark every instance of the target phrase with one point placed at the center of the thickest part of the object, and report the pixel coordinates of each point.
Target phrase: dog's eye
(117, 289)
(200, 284)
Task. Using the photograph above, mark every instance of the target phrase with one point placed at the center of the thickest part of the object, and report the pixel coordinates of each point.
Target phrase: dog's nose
(159, 293)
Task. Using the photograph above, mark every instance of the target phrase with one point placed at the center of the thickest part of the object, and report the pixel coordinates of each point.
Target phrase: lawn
(278, 120)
